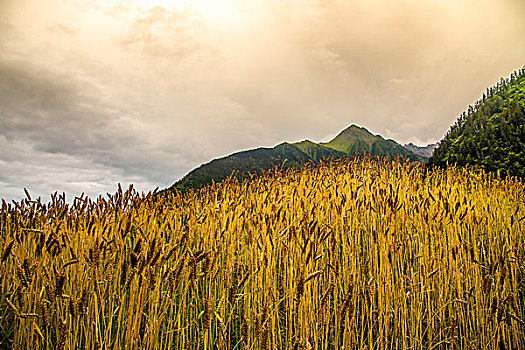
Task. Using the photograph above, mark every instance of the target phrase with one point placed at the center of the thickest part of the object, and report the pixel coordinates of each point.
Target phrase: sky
(96, 92)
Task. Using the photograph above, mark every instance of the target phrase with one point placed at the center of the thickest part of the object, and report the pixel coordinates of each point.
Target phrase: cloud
(70, 136)
(96, 92)
(58, 28)
(162, 33)
(43, 173)
(56, 122)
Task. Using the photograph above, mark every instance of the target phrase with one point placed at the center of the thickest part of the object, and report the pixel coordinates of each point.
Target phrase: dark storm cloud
(51, 122)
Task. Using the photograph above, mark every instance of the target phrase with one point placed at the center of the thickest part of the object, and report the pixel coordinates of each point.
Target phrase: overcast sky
(97, 92)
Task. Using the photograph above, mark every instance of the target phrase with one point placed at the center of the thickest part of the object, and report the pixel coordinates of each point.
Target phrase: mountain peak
(352, 132)
(355, 128)
(353, 140)
(358, 140)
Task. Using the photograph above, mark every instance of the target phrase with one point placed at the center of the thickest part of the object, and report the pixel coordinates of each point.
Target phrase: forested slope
(491, 133)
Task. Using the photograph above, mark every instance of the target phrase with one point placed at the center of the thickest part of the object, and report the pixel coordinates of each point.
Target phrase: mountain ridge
(350, 142)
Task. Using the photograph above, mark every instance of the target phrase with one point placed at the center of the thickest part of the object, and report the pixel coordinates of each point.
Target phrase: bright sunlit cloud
(215, 11)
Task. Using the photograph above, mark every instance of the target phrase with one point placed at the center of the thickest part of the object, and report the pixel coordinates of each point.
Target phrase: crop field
(357, 254)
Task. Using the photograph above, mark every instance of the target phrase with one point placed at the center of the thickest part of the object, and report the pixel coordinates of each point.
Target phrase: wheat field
(362, 254)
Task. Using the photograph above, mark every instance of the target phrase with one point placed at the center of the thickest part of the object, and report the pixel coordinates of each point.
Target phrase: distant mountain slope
(245, 162)
(423, 151)
(350, 142)
(317, 152)
(491, 134)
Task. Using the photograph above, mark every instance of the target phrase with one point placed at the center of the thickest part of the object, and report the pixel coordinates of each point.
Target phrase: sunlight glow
(221, 11)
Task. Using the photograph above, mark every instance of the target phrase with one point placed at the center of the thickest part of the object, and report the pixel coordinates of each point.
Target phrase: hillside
(350, 142)
(491, 134)
(247, 162)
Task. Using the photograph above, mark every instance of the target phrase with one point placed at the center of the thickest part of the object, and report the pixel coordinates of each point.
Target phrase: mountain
(350, 142)
(358, 140)
(423, 151)
(491, 134)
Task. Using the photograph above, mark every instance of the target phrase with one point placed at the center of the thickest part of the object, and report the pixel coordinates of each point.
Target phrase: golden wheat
(354, 254)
